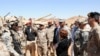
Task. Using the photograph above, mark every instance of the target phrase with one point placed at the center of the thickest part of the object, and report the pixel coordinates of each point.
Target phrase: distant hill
(68, 21)
(71, 20)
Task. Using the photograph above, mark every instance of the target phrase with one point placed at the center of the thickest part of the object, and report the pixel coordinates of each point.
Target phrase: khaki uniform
(42, 42)
(50, 35)
(93, 46)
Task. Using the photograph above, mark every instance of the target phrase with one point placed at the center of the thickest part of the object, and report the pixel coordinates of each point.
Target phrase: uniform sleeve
(8, 42)
(37, 39)
(97, 39)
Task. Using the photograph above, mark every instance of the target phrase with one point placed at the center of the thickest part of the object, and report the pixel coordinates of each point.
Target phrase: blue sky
(39, 8)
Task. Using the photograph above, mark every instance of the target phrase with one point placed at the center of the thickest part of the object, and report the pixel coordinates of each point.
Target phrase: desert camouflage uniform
(81, 39)
(3, 48)
(7, 39)
(16, 40)
(93, 46)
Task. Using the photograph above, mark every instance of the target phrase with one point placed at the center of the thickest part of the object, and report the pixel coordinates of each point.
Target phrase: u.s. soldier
(81, 37)
(93, 46)
(16, 37)
(7, 39)
(3, 47)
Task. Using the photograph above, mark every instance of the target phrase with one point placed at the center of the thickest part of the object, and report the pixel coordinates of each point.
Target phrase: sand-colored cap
(12, 19)
(12, 22)
(82, 20)
(61, 20)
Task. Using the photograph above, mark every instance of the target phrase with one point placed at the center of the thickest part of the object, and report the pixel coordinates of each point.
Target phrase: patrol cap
(82, 20)
(12, 19)
(12, 22)
(61, 20)
(41, 24)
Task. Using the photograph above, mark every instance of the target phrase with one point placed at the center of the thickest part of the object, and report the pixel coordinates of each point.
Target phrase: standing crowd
(55, 39)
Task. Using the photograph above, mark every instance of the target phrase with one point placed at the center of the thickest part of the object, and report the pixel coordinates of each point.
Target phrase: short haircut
(95, 15)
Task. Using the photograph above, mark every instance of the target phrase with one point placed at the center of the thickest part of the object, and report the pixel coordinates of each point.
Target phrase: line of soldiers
(55, 39)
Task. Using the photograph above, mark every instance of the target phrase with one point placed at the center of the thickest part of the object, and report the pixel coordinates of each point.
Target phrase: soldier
(3, 48)
(42, 41)
(93, 46)
(81, 37)
(8, 39)
(50, 34)
(16, 37)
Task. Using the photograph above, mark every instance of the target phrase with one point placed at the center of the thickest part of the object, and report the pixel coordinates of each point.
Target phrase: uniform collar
(96, 26)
